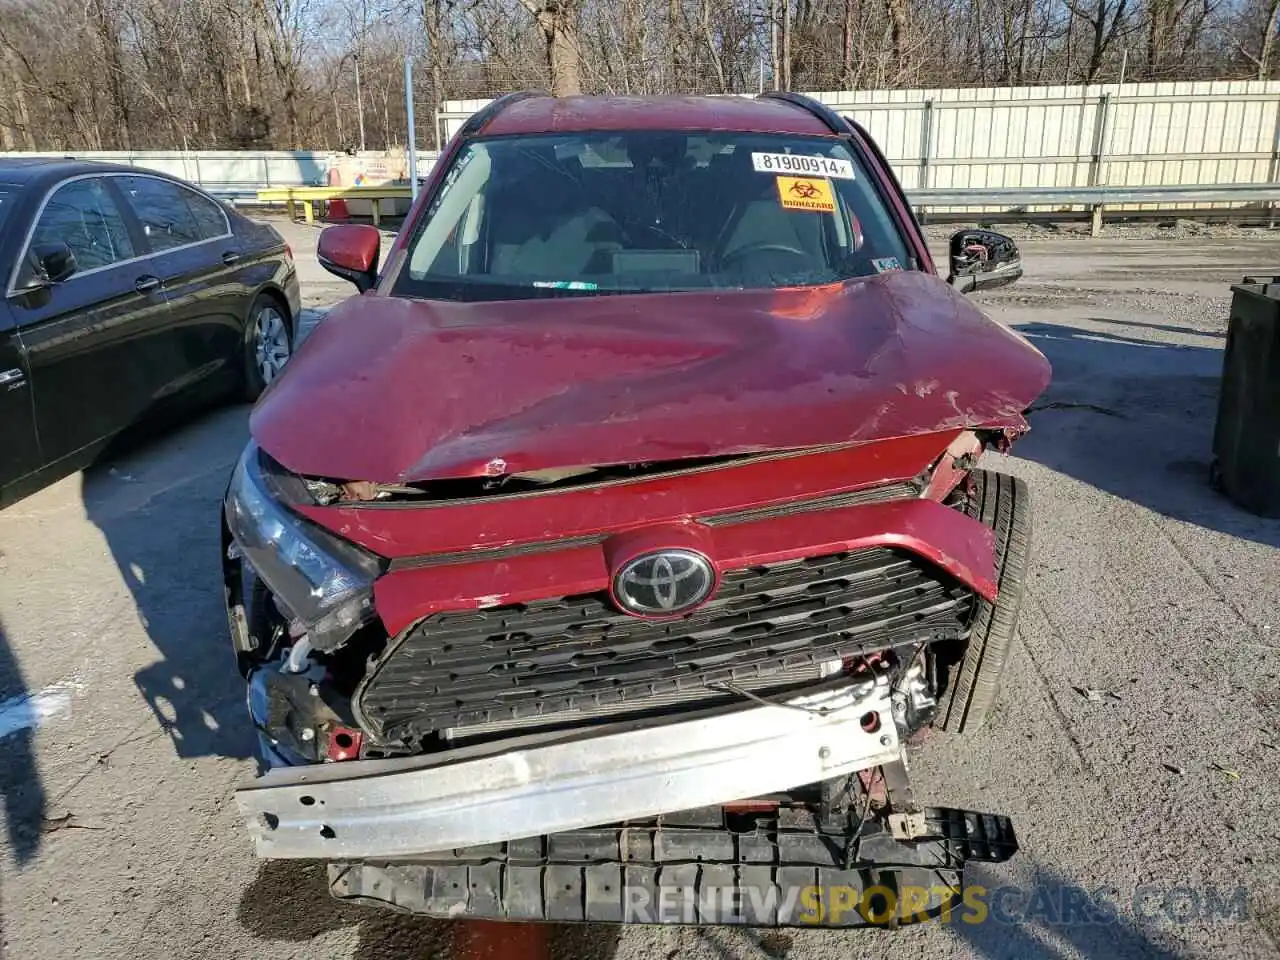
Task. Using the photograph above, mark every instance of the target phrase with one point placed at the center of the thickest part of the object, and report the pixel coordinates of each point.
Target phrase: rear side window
(162, 211)
(210, 219)
(83, 215)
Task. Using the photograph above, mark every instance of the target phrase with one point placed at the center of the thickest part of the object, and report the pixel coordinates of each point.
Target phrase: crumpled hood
(393, 390)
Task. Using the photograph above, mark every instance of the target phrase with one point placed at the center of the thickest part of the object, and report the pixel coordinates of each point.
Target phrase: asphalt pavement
(1136, 744)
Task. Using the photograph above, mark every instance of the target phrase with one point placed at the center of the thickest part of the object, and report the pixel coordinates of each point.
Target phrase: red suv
(599, 559)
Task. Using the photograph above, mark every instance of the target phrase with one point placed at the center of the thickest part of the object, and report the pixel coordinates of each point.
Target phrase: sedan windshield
(649, 211)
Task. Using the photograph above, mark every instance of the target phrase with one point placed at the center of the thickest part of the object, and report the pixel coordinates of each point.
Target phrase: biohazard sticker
(806, 193)
(803, 165)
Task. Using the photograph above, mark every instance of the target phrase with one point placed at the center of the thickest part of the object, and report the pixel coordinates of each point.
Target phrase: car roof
(25, 170)
(546, 114)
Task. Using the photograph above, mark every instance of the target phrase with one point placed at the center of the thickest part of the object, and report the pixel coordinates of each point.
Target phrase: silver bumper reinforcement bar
(464, 797)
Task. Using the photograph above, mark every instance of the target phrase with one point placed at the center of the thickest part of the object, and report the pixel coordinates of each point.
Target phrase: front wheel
(268, 344)
(1003, 503)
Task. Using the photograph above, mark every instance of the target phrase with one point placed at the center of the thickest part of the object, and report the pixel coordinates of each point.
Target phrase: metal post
(1274, 175)
(359, 102)
(413, 137)
(775, 61)
(926, 149)
(1097, 168)
(926, 143)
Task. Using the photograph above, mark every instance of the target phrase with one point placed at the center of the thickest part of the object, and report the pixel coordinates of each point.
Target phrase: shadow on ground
(1046, 916)
(22, 793)
(1135, 418)
(1166, 327)
(158, 507)
(289, 901)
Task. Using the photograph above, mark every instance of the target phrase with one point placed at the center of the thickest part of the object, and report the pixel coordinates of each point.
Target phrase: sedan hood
(393, 390)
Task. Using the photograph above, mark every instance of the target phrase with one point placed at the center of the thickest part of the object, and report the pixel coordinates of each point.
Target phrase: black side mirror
(53, 263)
(982, 260)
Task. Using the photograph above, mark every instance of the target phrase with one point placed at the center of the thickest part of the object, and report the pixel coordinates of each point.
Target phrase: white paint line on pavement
(34, 709)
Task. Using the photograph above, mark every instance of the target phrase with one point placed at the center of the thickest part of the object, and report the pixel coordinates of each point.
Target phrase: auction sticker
(806, 193)
(795, 163)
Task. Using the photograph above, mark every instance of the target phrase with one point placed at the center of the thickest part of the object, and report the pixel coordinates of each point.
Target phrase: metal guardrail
(308, 197)
(234, 192)
(1015, 200)
(1093, 196)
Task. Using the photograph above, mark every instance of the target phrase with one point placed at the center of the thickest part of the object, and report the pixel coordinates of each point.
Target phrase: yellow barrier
(307, 197)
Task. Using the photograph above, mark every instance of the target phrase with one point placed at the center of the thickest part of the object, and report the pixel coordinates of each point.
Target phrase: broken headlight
(321, 580)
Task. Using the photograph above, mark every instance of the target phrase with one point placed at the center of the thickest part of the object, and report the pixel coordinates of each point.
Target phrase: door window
(82, 215)
(161, 208)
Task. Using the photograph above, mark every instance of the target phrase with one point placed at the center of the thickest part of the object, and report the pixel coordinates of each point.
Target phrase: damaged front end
(292, 589)
(508, 727)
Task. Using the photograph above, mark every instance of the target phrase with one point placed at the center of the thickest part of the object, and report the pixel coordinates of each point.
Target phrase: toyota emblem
(664, 583)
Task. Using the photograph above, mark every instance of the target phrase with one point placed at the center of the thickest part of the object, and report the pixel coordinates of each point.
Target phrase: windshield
(649, 211)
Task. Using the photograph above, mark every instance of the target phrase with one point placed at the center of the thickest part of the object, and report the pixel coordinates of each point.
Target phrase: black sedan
(129, 296)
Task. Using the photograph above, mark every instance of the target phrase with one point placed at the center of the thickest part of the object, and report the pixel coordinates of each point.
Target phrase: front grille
(580, 653)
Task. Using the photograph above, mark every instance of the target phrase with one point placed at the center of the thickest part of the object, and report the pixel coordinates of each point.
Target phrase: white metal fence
(997, 139)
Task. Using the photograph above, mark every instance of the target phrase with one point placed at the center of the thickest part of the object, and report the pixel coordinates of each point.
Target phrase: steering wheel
(762, 246)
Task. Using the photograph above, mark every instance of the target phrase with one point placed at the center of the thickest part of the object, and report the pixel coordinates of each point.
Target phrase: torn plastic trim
(384, 808)
(694, 867)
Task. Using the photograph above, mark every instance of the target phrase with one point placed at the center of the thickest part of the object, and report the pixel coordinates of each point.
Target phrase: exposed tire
(1003, 503)
(268, 344)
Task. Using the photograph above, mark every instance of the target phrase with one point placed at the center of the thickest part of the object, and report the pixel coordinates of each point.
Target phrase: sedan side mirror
(351, 252)
(982, 260)
(53, 263)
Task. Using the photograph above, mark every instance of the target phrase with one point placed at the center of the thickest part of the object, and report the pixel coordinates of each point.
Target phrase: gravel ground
(1136, 742)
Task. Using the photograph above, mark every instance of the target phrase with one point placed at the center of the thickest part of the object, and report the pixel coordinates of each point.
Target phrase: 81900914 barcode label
(798, 163)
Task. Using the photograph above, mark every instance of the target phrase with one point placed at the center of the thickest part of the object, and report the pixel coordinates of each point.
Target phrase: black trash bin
(1246, 438)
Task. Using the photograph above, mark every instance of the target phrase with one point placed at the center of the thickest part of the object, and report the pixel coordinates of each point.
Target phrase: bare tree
(1257, 36)
(1105, 20)
(110, 74)
(284, 22)
(558, 22)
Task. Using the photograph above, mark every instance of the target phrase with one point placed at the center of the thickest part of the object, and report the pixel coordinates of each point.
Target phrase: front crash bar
(610, 774)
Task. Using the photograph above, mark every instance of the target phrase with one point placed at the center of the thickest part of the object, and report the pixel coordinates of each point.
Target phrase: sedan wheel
(270, 345)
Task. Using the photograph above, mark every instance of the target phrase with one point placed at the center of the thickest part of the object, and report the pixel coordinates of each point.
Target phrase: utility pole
(413, 136)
